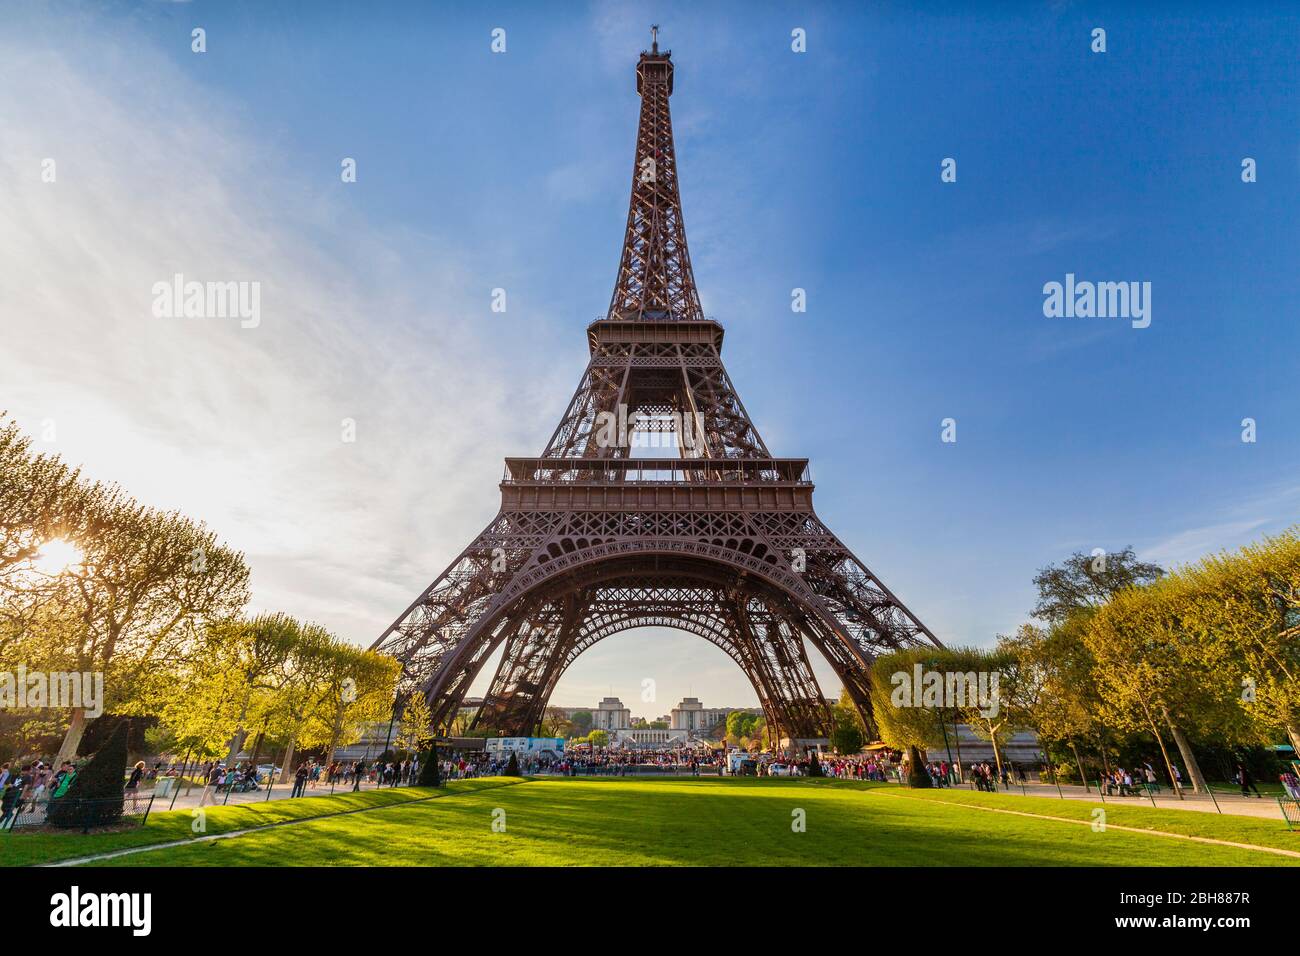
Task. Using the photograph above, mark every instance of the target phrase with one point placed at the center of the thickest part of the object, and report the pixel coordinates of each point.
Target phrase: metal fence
(72, 813)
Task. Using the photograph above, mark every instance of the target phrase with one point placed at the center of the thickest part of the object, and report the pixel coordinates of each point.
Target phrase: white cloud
(239, 427)
(1241, 523)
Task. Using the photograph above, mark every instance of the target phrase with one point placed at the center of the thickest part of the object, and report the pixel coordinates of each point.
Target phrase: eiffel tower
(592, 538)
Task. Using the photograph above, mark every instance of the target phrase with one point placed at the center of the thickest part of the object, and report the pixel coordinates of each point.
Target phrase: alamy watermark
(179, 299)
(948, 689)
(22, 689)
(1102, 300)
(616, 429)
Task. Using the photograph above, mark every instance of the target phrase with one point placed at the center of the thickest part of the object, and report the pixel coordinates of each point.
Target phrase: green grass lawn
(1132, 812)
(710, 821)
(23, 848)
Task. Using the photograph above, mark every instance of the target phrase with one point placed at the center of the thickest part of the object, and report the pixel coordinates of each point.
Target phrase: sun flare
(57, 556)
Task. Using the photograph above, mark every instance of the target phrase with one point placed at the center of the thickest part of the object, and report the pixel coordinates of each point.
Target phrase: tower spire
(655, 281)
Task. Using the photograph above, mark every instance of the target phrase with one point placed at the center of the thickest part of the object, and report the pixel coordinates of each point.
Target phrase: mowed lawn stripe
(631, 822)
(25, 848)
(1292, 854)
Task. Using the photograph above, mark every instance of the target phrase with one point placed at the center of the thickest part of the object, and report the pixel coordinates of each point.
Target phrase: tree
(1151, 676)
(1087, 581)
(742, 725)
(148, 584)
(302, 692)
(997, 718)
(902, 718)
(360, 687)
(1062, 701)
(41, 498)
(415, 732)
(581, 722)
(430, 773)
(96, 796)
(136, 591)
(1241, 612)
(555, 723)
(246, 655)
(847, 733)
(598, 738)
(914, 690)
(512, 767)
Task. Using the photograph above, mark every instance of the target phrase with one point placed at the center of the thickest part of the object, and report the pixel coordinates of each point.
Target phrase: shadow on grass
(692, 822)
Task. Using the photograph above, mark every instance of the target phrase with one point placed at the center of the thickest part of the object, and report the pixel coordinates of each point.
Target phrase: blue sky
(818, 170)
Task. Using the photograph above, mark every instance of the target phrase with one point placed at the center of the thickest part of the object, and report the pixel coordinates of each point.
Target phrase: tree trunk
(257, 747)
(236, 745)
(1169, 767)
(1083, 776)
(1185, 750)
(997, 754)
(1293, 731)
(237, 741)
(336, 733)
(286, 772)
(956, 736)
(72, 739)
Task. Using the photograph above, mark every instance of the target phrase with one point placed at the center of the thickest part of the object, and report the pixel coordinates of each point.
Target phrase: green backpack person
(64, 784)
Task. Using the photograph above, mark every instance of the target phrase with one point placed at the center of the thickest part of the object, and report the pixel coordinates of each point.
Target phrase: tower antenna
(654, 38)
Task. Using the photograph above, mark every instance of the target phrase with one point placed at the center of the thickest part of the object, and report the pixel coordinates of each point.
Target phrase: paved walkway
(188, 797)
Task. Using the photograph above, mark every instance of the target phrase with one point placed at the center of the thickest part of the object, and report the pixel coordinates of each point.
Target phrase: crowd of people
(880, 767)
(25, 787)
(988, 777)
(1125, 783)
(22, 788)
(241, 778)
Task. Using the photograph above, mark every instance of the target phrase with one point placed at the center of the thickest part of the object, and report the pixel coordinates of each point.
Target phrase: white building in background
(610, 714)
(1023, 748)
(649, 737)
(692, 716)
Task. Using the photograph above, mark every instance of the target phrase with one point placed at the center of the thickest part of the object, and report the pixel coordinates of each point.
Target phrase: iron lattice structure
(720, 540)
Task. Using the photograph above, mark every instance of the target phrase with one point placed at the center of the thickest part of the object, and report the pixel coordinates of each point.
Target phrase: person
(210, 781)
(357, 769)
(1291, 784)
(11, 799)
(37, 781)
(300, 780)
(133, 785)
(65, 777)
(1244, 778)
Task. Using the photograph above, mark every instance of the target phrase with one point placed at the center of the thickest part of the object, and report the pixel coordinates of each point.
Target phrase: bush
(815, 767)
(917, 776)
(95, 798)
(429, 768)
(512, 768)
